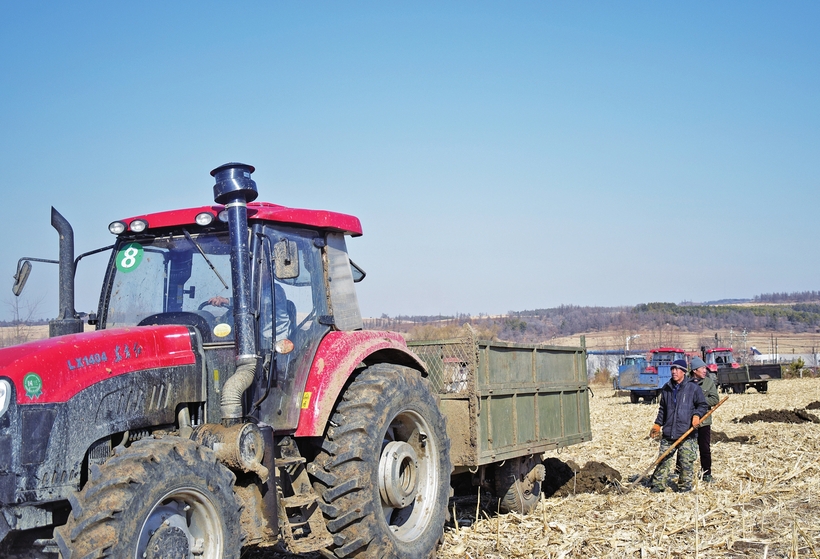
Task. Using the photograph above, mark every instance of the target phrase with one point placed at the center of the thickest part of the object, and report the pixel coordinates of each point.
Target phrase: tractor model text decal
(120, 353)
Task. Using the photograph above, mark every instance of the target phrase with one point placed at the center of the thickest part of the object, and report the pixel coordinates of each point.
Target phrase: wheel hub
(168, 533)
(169, 542)
(398, 474)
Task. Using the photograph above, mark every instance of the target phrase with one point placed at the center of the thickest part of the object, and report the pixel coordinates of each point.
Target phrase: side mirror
(286, 259)
(21, 277)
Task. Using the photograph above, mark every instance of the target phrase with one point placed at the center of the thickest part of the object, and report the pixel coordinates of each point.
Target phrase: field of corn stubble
(763, 501)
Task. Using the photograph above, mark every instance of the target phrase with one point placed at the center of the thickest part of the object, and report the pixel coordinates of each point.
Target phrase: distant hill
(539, 325)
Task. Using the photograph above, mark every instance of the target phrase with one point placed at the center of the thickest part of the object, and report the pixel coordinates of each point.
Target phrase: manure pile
(720, 437)
(780, 416)
(567, 478)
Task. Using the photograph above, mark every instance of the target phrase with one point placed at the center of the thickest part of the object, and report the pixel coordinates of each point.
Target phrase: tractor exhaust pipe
(67, 321)
(234, 189)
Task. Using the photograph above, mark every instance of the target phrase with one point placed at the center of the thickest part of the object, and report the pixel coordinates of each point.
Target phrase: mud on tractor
(227, 397)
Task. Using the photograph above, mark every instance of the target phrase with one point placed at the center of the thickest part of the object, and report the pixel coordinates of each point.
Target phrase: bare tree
(21, 329)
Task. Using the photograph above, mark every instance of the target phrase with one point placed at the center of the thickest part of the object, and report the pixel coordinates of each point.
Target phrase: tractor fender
(338, 355)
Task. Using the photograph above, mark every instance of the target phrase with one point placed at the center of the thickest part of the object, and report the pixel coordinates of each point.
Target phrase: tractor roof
(667, 350)
(719, 349)
(263, 211)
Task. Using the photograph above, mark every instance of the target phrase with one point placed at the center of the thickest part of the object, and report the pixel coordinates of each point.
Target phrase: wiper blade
(205, 256)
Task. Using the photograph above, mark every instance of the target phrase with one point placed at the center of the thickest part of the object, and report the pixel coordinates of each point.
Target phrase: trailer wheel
(634, 398)
(762, 387)
(518, 484)
(738, 388)
(158, 499)
(383, 472)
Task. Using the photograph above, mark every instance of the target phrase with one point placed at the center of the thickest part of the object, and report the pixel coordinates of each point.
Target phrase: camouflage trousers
(670, 468)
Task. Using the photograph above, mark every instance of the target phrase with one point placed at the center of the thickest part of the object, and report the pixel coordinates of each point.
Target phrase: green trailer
(506, 404)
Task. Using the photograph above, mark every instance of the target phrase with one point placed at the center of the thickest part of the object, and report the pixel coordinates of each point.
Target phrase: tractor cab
(663, 357)
(719, 358)
(175, 268)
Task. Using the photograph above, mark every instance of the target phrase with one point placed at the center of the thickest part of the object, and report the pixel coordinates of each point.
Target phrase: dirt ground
(764, 501)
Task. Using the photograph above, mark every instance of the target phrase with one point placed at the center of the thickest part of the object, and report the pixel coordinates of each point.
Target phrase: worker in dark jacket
(700, 376)
(682, 405)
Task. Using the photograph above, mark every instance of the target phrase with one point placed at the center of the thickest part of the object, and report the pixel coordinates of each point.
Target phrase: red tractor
(227, 397)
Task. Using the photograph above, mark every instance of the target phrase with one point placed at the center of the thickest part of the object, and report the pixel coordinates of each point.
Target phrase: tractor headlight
(138, 225)
(204, 218)
(116, 227)
(5, 396)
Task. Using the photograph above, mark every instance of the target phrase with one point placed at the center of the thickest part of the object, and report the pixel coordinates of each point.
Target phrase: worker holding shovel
(682, 404)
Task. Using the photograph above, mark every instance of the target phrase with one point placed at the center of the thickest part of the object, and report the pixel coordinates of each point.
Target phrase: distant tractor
(645, 384)
(731, 376)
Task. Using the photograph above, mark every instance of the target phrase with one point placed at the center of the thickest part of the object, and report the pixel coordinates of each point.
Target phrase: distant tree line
(796, 297)
(541, 325)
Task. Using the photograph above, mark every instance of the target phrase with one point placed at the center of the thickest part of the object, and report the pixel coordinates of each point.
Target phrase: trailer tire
(383, 471)
(518, 484)
(156, 499)
(633, 398)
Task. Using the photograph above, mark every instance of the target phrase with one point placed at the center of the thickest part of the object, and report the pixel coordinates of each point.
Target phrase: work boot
(656, 489)
(684, 488)
(707, 478)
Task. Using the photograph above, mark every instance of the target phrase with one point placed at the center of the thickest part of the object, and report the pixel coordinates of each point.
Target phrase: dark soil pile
(813, 406)
(567, 478)
(719, 437)
(780, 416)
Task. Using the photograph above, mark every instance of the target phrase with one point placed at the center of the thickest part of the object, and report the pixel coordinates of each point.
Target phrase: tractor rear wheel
(383, 472)
(518, 484)
(158, 499)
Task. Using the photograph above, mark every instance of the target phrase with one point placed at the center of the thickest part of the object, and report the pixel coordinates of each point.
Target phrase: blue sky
(501, 155)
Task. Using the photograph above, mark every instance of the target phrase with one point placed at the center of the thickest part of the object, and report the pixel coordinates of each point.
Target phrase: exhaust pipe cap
(234, 183)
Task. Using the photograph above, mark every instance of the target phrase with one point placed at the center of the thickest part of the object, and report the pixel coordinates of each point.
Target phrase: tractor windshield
(179, 273)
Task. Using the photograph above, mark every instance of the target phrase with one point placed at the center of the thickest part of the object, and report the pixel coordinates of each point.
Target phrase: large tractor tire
(158, 499)
(383, 472)
(518, 484)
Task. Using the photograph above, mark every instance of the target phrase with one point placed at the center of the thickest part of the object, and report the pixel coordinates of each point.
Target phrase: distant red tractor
(228, 396)
(732, 376)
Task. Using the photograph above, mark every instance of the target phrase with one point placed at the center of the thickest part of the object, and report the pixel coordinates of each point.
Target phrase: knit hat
(697, 363)
(680, 364)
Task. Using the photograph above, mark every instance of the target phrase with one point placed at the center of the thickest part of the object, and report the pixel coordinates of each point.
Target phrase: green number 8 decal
(129, 257)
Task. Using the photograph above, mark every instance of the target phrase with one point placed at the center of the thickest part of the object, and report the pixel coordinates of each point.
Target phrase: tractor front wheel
(383, 472)
(158, 499)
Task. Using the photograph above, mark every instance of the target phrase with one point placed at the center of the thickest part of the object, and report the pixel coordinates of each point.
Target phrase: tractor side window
(276, 313)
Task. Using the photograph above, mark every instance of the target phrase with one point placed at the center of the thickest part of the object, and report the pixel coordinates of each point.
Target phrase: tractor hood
(55, 369)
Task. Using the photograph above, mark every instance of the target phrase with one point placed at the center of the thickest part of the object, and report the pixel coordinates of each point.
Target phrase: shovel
(673, 447)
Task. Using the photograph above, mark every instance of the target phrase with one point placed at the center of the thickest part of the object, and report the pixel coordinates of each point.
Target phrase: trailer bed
(506, 400)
